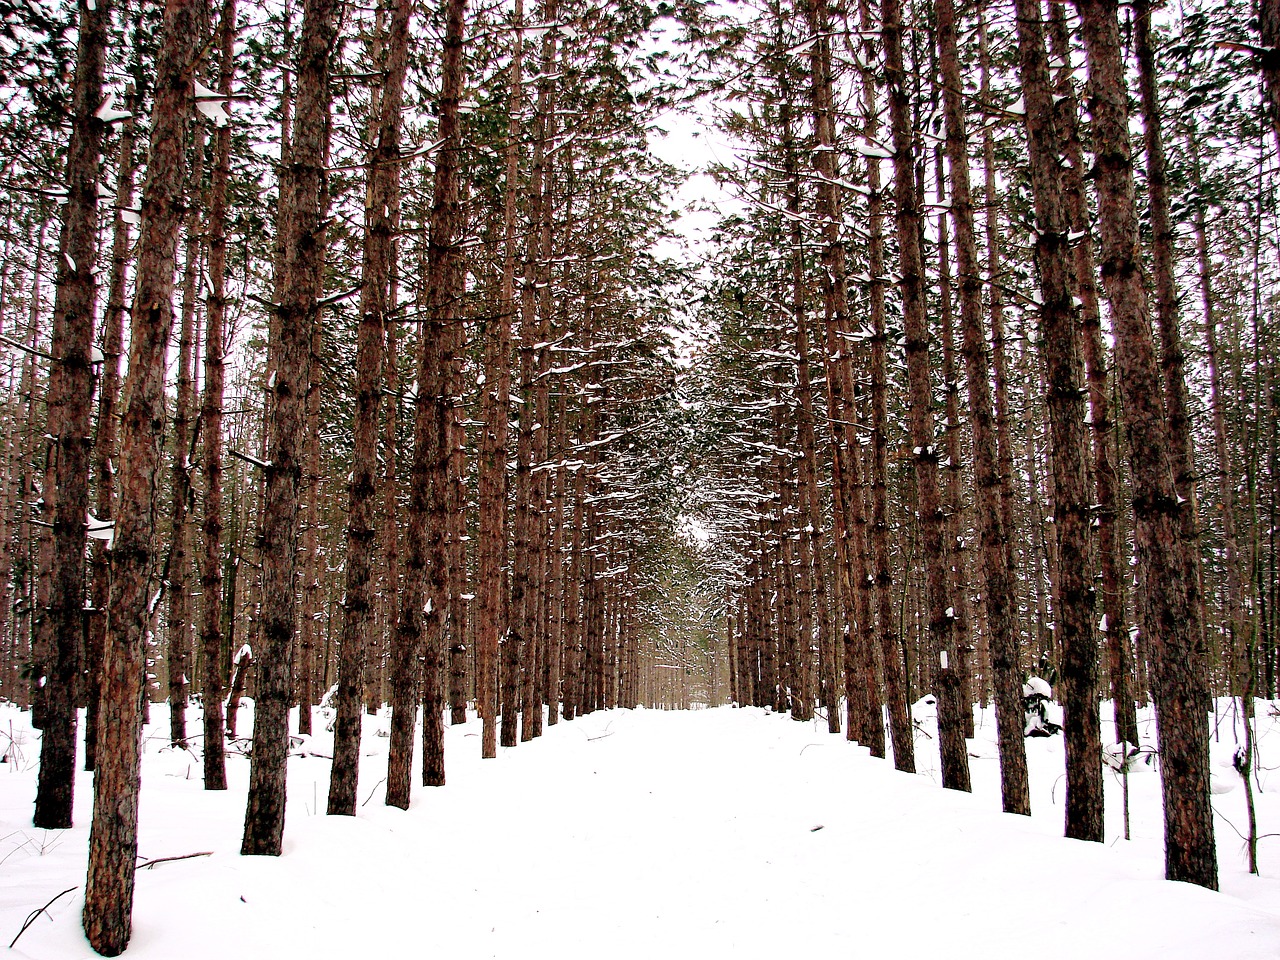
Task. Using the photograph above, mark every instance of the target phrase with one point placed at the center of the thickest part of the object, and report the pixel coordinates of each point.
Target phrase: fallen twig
(185, 856)
(35, 913)
(374, 790)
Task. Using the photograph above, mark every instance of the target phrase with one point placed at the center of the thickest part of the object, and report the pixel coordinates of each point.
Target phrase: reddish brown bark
(60, 628)
(999, 600)
(359, 620)
(938, 602)
(213, 656)
(1060, 351)
(113, 838)
(106, 442)
(297, 312)
(425, 540)
(1169, 616)
(178, 563)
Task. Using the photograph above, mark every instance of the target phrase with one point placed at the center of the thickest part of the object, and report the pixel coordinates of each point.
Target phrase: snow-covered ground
(709, 834)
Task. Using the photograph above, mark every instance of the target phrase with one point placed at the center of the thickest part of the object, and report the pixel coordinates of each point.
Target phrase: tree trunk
(1170, 618)
(514, 639)
(305, 675)
(999, 598)
(431, 450)
(999, 362)
(359, 619)
(954, 528)
(1176, 402)
(298, 311)
(70, 399)
(179, 560)
(213, 653)
(890, 639)
(1060, 350)
(938, 601)
(113, 838)
(106, 442)
(492, 636)
(848, 512)
(1106, 482)
(459, 600)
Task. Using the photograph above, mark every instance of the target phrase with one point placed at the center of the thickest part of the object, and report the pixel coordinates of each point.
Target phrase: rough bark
(514, 638)
(178, 564)
(459, 600)
(69, 405)
(938, 607)
(359, 620)
(491, 625)
(848, 512)
(305, 675)
(297, 312)
(1169, 617)
(106, 441)
(1001, 397)
(999, 600)
(1059, 339)
(213, 654)
(1106, 481)
(433, 429)
(113, 838)
(1177, 405)
(890, 640)
(954, 529)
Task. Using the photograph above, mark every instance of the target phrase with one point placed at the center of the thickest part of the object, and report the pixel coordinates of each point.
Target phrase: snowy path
(725, 833)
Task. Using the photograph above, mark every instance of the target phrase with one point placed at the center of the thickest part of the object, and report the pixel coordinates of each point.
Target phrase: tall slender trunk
(1172, 360)
(492, 635)
(573, 646)
(432, 433)
(69, 406)
(895, 682)
(999, 360)
(954, 529)
(557, 571)
(297, 313)
(359, 616)
(113, 838)
(178, 563)
(514, 638)
(305, 682)
(1106, 482)
(999, 599)
(1059, 339)
(106, 442)
(389, 480)
(213, 653)
(938, 601)
(848, 511)
(459, 606)
(1170, 617)
(813, 577)
(536, 300)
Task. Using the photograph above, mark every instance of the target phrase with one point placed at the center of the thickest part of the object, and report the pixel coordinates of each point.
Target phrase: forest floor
(712, 834)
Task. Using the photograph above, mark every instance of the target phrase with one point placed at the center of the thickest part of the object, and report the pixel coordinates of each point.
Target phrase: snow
(109, 112)
(1037, 686)
(640, 834)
